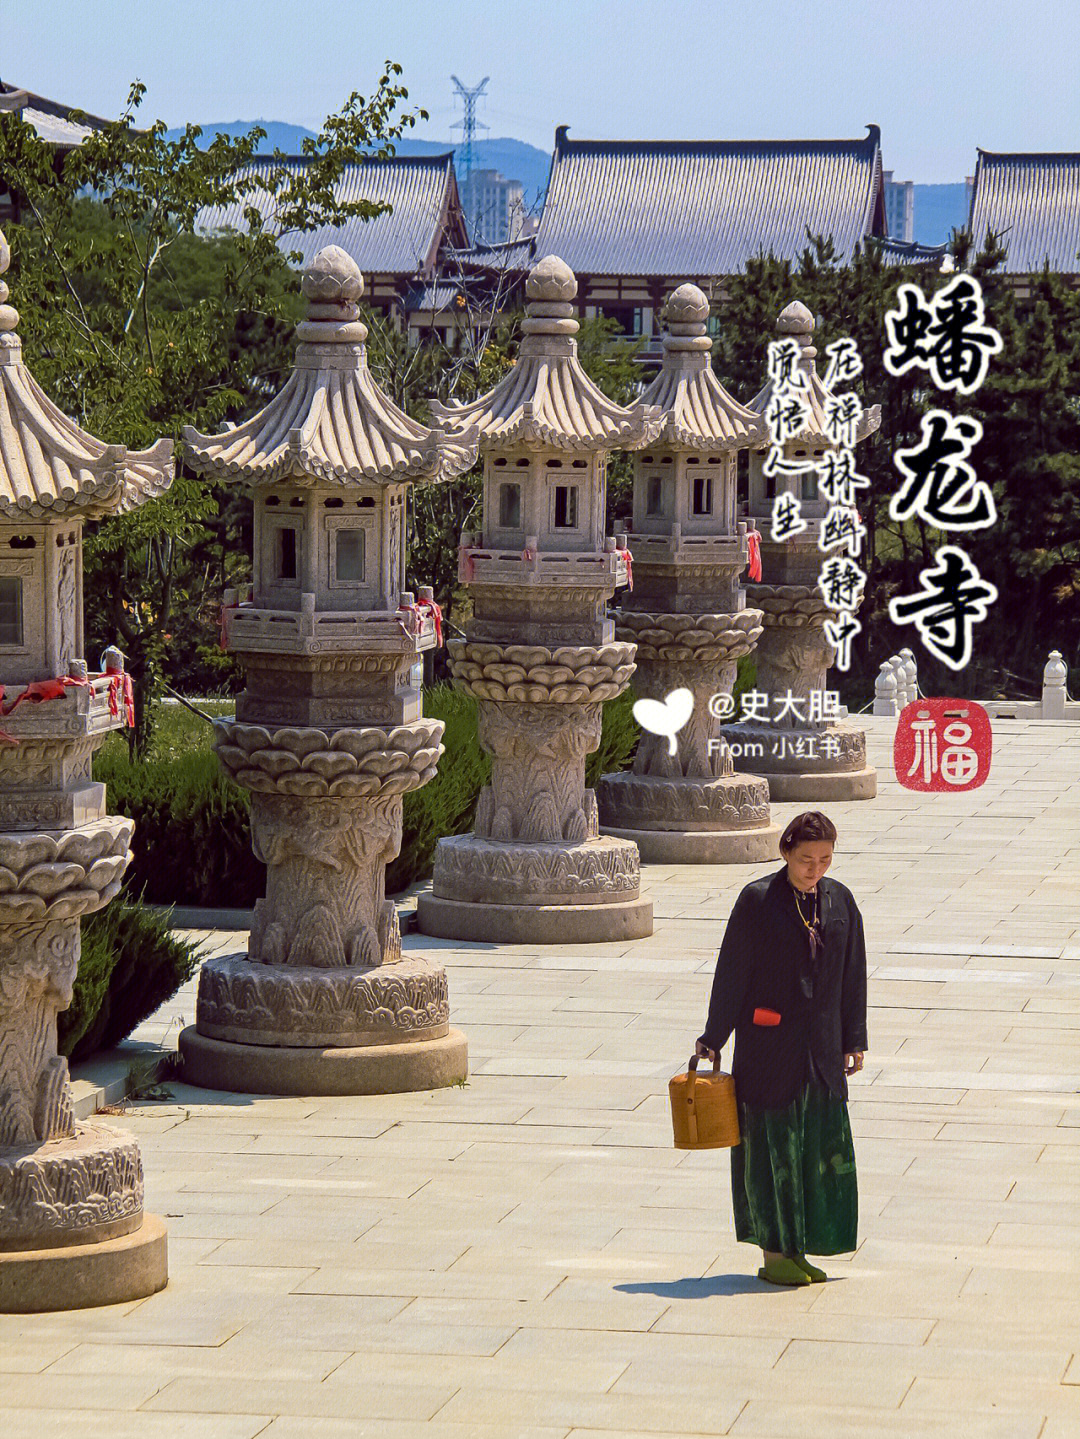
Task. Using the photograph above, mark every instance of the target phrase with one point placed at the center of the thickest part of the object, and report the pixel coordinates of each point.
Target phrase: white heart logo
(666, 716)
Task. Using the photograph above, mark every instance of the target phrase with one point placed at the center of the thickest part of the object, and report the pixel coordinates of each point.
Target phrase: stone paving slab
(528, 1256)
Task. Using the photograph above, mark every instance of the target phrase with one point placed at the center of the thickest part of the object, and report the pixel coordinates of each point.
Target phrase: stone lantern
(73, 1232)
(803, 758)
(540, 653)
(329, 732)
(687, 615)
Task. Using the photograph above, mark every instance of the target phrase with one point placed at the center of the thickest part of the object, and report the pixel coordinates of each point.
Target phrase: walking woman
(791, 982)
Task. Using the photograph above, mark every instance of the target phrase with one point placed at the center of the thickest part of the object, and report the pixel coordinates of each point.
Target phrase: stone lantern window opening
(702, 498)
(509, 506)
(658, 497)
(564, 507)
(285, 550)
(349, 551)
(349, 556)
(11, 612)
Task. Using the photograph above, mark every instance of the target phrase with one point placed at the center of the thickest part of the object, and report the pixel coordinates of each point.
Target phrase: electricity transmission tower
(469, 124)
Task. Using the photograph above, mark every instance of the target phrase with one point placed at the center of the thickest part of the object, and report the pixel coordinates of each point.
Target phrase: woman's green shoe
(817, 1276)
(783, 1271)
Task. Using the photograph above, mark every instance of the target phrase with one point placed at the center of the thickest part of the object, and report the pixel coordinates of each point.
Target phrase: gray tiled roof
(404, 241)
(49, 118)
(910, 252)
(700, 208)
(1032, 202)
(510, 257)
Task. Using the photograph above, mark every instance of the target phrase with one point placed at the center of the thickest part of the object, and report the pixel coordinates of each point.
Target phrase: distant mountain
(279, 136)
(939, 209)
(515, 159)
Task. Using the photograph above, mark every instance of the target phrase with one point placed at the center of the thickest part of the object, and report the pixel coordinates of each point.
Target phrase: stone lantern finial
(795, 319)
(687, 314)
(9, 316)
(549, 292)
(332, 284)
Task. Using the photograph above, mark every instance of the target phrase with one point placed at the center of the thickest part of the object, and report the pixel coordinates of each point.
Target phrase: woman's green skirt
(793, 1185)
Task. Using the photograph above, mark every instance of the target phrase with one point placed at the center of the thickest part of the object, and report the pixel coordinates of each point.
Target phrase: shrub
(192, 841)
(130, 965)
(446, 804)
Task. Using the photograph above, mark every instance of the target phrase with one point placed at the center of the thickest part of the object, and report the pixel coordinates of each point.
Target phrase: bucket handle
(691, 1082)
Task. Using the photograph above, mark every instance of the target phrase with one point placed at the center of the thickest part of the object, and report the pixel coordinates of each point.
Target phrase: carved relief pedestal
(811, 760)
(324, 1002)
(689, 807)
(536, 868)
(72, 1228)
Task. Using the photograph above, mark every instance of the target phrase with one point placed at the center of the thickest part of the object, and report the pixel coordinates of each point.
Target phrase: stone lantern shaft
(540, 653)
(329, 733)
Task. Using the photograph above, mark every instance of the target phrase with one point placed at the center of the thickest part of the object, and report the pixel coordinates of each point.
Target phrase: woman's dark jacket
(765, 963)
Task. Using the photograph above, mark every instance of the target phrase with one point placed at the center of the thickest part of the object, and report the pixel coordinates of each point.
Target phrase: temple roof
(51, 119)
(911, 252)
(1032, 203)
(425, 212)
(48, 465)
(705, 207)
(699, 414)
(331, 421)
(795, 319)
(546, 399)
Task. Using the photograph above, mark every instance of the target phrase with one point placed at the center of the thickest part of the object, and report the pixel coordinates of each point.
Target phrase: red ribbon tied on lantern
(528, 554)
(753, 541)
(628, 557)
(121, 692)
(409, 618)
(429, 607)
(41, 691)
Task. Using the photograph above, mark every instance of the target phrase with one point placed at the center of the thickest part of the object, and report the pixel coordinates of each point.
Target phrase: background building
(899, 207)
(494, 206)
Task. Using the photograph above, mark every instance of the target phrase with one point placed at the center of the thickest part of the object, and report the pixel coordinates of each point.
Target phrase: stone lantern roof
(698, 412)
(547, 400)
(331, 422)
(795, 319)
(49, 467)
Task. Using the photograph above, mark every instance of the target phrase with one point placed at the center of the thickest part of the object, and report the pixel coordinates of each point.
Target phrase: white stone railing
(897, 685)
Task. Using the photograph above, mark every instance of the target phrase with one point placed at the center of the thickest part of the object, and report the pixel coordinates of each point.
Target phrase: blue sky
(939, 76)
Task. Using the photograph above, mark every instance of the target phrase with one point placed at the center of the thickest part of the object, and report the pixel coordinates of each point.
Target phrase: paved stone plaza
(529, 1256)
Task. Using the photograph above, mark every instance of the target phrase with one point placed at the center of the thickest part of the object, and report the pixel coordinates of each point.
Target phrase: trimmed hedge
(130, 965)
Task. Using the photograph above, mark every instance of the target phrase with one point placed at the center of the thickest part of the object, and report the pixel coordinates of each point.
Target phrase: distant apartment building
(899, 207)
(494, 206)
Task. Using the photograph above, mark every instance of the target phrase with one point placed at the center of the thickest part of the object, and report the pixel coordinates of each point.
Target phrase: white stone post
(1053, 690)
(886, 700)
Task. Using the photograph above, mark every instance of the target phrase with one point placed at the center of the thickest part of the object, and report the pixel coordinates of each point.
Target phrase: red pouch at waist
(766, 1016)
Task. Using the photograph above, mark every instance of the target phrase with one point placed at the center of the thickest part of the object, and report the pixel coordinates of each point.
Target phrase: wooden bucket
(704, 1114)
